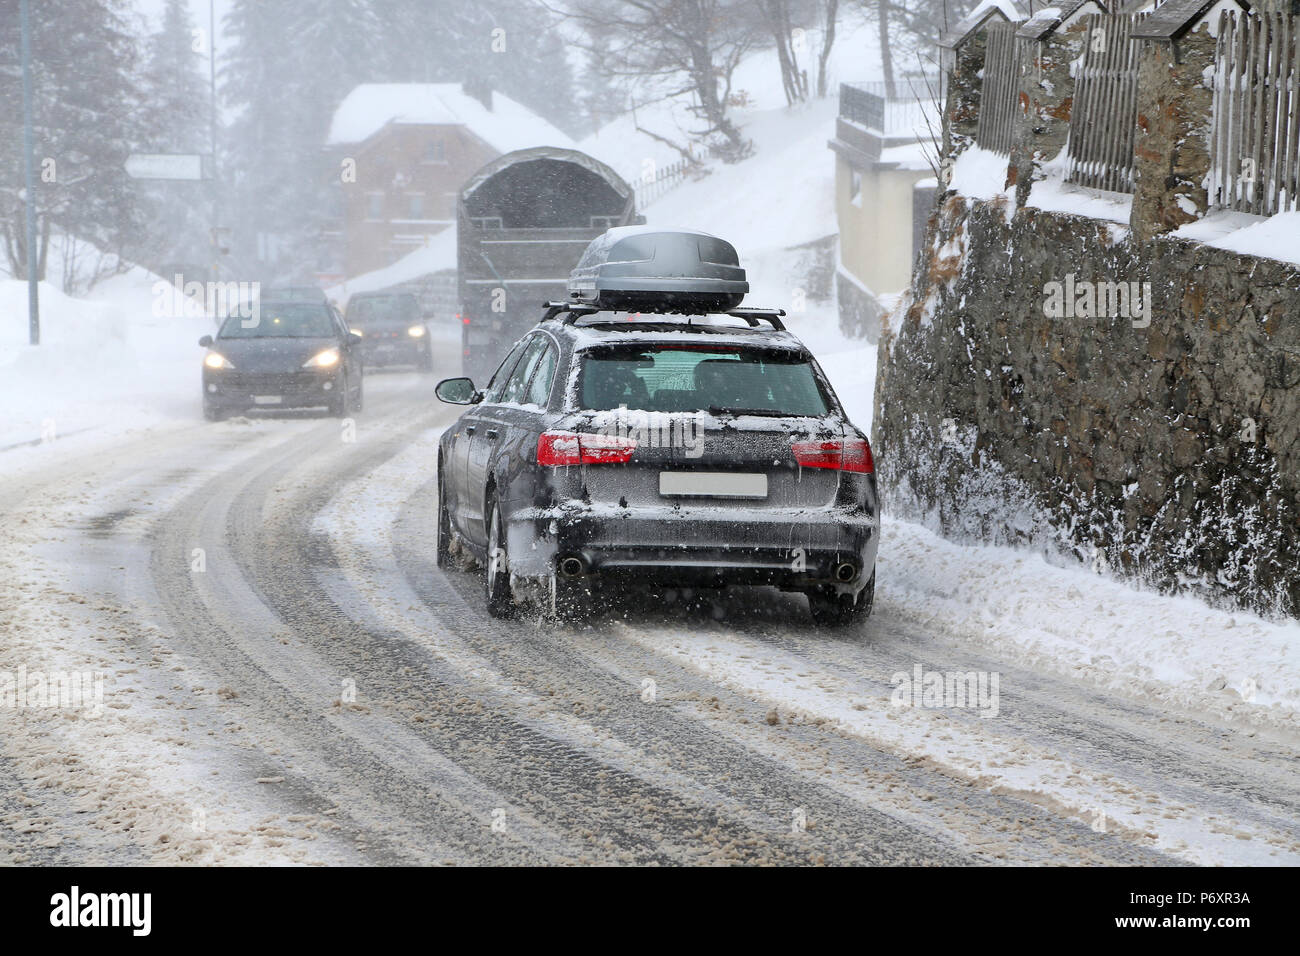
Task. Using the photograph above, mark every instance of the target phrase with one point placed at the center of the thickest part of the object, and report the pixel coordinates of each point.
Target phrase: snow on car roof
(506, 127)
(589, 334)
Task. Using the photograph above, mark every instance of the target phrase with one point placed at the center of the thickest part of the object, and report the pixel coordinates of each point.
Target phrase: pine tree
(510, 45)
(291, 66)
(178, 121)
(88, 119)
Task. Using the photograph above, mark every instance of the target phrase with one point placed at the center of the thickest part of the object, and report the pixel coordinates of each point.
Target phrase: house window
(435, 151)
(374, 206)
(415, 206)
(855, 187)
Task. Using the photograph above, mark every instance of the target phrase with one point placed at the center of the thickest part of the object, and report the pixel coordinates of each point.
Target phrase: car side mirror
(206, 341)
(457, 391)
(354, 339)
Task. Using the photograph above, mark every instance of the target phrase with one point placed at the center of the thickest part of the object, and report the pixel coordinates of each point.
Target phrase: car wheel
(426, 360)
(213, 413)
(444, 526)
(830, 609)
(500, 602)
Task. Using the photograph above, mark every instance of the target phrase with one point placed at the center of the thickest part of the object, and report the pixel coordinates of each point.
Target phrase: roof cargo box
(645, 269)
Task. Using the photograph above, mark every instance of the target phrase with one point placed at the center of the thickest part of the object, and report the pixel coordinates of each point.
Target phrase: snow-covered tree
(676, 46)
(88, 120)
(508, 45)
(290, 67)
(178, 120)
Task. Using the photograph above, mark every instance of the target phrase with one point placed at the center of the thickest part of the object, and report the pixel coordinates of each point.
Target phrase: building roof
(1047, 19)
(505, 127)
(1171, 19)
(1004, 10)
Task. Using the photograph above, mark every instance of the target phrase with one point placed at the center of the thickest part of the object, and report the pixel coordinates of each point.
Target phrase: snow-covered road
(288, 677)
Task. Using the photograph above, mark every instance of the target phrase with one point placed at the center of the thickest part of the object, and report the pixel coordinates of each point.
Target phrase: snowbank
(105, 362)
(1275, 237)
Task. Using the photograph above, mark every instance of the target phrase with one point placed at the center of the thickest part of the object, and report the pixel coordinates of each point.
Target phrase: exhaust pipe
(845, 572)
(572, 567)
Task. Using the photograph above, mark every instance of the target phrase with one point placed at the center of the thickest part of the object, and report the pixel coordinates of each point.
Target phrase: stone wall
(1167, 451)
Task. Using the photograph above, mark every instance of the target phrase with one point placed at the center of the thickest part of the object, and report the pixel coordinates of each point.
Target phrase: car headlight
(216, 360)
(326, 359)
(415, 331)
(357, 332)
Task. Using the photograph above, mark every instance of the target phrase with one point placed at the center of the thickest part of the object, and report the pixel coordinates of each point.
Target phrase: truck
(523, 222)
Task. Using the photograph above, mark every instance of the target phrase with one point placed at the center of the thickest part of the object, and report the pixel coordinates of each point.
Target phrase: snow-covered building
(884, 186)
(403, 150)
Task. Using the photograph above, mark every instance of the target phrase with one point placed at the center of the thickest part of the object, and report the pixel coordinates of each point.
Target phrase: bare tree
(674, 47)
(776, 17)
(886, 53)
(831, 13)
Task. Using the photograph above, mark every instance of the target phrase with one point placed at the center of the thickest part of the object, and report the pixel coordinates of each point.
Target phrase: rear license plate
(267, 399)
(712, 484)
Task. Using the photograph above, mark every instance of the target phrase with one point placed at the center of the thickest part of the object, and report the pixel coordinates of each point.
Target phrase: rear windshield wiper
(732, 410)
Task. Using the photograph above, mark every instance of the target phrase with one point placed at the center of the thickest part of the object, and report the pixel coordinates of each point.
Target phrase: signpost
(187, 166)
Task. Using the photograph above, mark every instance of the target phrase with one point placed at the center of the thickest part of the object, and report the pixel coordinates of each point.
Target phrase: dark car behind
(392, 329)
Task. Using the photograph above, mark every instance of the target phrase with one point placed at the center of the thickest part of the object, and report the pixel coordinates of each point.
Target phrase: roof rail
(773, 316)
(573, 311)
(555, 307)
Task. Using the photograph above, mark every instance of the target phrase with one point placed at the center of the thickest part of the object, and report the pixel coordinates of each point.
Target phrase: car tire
(830, 609)
(443, 549)
(496, 574)
(213, 413)
(426, 360)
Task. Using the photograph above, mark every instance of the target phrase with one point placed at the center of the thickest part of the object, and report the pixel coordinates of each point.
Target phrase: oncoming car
(285, 355)
(613, 449)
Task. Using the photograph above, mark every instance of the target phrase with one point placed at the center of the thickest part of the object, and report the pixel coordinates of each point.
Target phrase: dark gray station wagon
(614, 449)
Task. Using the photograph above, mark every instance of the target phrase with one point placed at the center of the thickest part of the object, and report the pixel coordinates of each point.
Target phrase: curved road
(289, 677)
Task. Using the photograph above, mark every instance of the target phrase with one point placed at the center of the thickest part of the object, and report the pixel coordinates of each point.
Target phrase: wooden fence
(997, 114)
(1255, 127)
(649, 188)
(1103, 120)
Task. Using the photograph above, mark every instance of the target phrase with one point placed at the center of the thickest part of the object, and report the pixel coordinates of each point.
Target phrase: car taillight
(851, 454)
(574, 448)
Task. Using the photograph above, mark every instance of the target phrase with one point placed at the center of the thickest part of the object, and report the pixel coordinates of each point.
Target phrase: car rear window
(672, 378)
(289, 320)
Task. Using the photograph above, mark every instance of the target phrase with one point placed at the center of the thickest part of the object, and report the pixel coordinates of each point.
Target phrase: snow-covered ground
(109, 366)
(111, 376)
(106, 362)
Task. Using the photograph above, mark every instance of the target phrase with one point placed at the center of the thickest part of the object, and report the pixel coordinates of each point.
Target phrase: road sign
(165, 166)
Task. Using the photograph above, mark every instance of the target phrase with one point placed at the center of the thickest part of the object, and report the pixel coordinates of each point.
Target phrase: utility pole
(212, 120)
(29, 151)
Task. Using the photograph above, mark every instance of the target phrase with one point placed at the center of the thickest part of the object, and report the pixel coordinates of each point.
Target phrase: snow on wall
(1162, 444)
